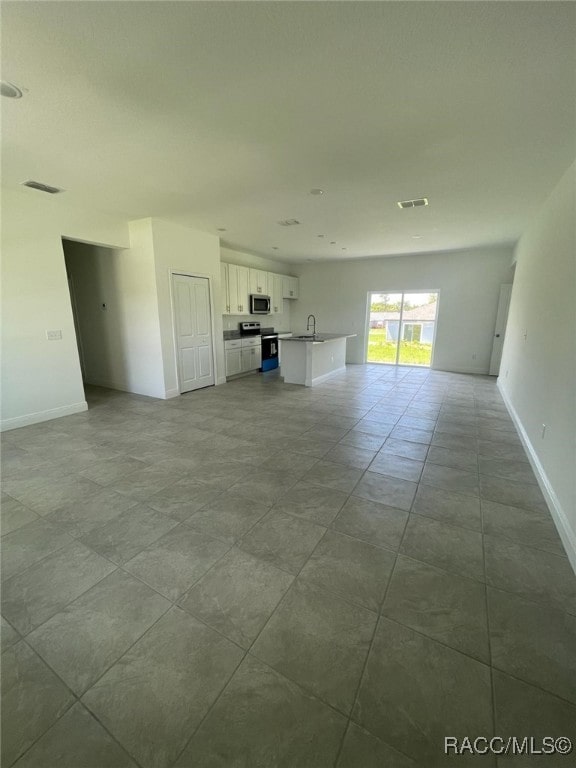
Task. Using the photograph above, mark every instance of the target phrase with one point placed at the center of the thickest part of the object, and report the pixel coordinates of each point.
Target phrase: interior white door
(192, 315)
(500, 330)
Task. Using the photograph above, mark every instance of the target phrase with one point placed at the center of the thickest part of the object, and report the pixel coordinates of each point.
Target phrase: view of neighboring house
(417, 323)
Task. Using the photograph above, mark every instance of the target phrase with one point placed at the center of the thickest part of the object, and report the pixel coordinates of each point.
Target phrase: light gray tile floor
(261, 574)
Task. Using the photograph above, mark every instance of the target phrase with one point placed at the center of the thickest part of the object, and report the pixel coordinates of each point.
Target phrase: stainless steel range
(269, 343)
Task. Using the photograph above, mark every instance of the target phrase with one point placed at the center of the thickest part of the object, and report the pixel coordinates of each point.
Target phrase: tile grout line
(76, 700)
(371, 643)
(489, 634)
(247, 652)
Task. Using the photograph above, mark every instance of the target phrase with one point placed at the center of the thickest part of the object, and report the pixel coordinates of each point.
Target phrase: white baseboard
(324, 377)
(456, 369)
(220, 380)
(170, 393)
(39, 416)
(560, 518)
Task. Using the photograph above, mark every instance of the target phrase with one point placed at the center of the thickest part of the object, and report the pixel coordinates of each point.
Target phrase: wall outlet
(506, 372)
(103, 306)
(54, 335)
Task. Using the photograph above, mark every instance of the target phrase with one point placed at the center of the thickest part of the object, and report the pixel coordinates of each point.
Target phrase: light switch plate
(54, 335)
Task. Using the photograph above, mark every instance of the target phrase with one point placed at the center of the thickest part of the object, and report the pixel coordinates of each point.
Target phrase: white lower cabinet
(251, 359)
(243, 355)
(233, 362)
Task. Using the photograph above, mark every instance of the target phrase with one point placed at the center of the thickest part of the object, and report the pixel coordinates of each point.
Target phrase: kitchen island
(312, 358)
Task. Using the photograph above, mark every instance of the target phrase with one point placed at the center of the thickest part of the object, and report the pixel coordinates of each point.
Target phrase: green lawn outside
(411, 352)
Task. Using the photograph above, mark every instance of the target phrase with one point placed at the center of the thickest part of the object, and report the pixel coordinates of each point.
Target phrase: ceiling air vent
(288, 222)
(42, 187)
(413, 203)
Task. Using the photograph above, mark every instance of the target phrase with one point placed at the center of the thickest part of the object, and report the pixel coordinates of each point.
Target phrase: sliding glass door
(401, 328)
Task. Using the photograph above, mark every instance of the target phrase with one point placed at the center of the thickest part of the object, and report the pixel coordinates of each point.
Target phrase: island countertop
(319, 338)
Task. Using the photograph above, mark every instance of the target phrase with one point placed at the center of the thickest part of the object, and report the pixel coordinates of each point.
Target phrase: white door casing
(193, 332)
(500, 330)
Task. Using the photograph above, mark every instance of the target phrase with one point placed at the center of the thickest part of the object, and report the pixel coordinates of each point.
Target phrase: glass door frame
(403, 294)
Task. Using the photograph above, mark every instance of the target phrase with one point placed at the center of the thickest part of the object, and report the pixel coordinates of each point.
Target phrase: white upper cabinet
(239, 282)
(290, 287)
(276, 288)
(225, 289)
(239, 295)
(258, 281)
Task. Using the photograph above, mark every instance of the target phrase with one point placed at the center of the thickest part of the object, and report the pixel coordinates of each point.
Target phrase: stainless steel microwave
(259, 305)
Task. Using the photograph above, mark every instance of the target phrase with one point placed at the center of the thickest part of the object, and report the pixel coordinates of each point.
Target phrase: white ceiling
(227, 114)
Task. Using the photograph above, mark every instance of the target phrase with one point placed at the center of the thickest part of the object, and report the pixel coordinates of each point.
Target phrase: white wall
(41, 379)
(538, 370)
(187, 250)
(279, 322)
(468, 282)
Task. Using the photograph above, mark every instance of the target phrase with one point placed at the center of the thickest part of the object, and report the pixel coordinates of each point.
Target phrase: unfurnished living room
(288, 384)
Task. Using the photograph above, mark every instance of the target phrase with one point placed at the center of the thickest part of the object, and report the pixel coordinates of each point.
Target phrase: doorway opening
(91, 271)
(402, 327)
(500, 330)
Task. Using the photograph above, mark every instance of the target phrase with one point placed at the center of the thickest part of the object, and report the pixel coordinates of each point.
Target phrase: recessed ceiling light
(222, 229)
(332, 242)
(320, 235)
(288, 222)
(274, 247)
(10, 90)
(316, 191)
(344, 249)
(417, 237)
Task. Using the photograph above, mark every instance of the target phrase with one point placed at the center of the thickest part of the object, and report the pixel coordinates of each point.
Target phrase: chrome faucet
(313, 326)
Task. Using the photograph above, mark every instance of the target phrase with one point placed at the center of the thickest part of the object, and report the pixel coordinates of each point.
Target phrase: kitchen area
(250, 340)
(256, 346)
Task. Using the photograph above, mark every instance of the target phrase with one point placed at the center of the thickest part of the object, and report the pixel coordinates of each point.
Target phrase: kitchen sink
(306, 337)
